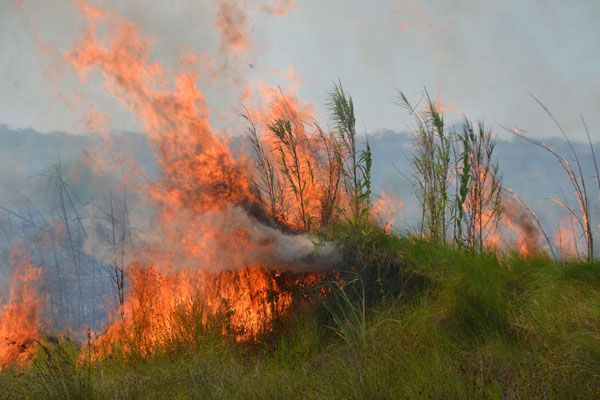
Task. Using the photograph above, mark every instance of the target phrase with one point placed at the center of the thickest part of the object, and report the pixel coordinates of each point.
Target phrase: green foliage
(266, 180)
(431, 165)
(471, 214)
(347, 307)
(56, 374)
(299, 175)
(463, 168)
(314, 165)
(375, 256)
(475, 326)
(356, 163)
(481, 206)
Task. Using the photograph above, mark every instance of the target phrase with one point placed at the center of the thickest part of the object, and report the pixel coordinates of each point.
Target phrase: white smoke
(215, 240)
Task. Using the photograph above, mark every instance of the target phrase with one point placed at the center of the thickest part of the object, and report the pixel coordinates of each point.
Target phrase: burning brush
(206, 252)
(19, 318)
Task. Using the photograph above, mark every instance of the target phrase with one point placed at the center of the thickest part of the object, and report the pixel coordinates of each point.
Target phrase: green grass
(438, 323)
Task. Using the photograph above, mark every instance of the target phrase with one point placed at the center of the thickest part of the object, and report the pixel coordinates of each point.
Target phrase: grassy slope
(465, 327)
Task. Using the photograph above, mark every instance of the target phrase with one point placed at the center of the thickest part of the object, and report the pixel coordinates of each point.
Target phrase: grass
(458, 325)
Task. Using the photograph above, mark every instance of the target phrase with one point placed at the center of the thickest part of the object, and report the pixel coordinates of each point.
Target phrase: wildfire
(19, 318)
(214, 255)
(214, 252)
(565, 239)
(386, 209)
(169, 308)
(528, 236)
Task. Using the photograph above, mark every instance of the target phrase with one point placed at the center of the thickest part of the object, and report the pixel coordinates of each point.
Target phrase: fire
(441, 106)
(301, 148)
(199, 173)
(515, 231)
(214, 256)
(565, 239)
(491, 234)
(213, 251)
(175, 307)
(19, 318)
(386, 209)
(528, 236)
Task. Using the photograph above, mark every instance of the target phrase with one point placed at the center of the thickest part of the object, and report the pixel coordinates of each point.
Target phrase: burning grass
(268, 279)
(465, 326)
(171, 310)
(19, 318)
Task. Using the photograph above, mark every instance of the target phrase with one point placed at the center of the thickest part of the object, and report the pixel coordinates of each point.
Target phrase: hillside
(458, 326)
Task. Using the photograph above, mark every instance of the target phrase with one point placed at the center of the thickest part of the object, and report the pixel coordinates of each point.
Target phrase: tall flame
(386, 209)
(528, 236)
(19, 318)
(181, 306)
(209, 244)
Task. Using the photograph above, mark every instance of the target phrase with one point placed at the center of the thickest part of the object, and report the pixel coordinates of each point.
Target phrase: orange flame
(178, 306)
(386, 209)
(210, 252)
(19, 318)
(202, 255)
(528, 236)
(565, 239)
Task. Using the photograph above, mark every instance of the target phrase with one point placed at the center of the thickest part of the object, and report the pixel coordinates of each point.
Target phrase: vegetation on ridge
(433, 314)
(464, 326)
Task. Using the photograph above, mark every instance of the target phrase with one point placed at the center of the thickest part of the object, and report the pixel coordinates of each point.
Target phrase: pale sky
(481, 58)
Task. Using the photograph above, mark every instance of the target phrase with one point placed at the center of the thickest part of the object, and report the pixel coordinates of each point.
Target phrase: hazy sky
(481, 57)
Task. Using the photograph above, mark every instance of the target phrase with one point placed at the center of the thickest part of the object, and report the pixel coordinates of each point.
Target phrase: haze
(481, 58)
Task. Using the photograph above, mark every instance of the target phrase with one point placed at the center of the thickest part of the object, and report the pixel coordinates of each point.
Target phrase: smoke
(516, 218)
(192, 215)
(280, 7)
(231, 23)
(230, 239)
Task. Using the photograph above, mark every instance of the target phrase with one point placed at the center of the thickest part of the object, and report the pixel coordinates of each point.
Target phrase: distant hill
(531, 172)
